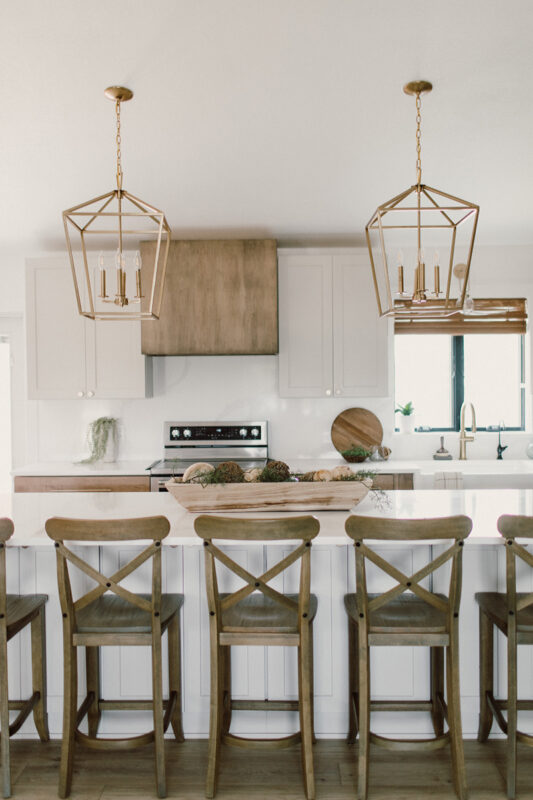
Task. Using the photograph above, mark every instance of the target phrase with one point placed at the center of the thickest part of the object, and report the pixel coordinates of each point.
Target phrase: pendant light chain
(418, 137)
(119, 141)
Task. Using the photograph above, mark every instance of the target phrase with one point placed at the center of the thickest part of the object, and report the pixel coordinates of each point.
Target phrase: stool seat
(405, 614)
(494, 604)
(264, 615)
(112, 614)
(21, 609)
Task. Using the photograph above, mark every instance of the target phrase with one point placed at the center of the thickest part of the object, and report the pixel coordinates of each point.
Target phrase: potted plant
(356, 454)
(406, 417)
(102, 438)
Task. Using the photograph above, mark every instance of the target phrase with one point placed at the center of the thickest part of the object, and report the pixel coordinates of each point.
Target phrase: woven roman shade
(489, 315)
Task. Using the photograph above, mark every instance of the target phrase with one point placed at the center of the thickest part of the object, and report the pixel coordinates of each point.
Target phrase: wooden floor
(273, 775)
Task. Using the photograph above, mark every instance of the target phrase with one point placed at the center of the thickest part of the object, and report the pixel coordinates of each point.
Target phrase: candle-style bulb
(138, 260)
(400, 258)
(118, 259)
(101, 260)
(436, 259)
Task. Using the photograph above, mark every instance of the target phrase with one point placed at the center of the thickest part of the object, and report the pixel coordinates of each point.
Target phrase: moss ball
(229, 472)
(275, 472)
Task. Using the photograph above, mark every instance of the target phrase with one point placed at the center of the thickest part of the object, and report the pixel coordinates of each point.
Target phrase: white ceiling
(282, 118)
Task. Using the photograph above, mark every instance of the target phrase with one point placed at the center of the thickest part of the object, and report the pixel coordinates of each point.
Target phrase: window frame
(457, 345)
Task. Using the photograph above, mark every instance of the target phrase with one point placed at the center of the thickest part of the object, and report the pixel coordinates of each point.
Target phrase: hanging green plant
(98, 437)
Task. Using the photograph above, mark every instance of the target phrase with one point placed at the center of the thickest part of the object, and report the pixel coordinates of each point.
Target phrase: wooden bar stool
(418, 618)
(257, 614)
(124, 618)
(17, 611)
(512, 614)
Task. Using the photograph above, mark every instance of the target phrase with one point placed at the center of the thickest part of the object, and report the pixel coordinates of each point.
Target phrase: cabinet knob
(328, 392)
(81, 394)
(90, 394)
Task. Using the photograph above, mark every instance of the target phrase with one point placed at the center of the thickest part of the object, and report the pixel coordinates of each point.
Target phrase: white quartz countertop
(30, 511)
(73, 469)
(419, 466)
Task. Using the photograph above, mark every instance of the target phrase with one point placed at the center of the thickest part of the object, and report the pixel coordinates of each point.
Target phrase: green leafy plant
(356, 453)
(98, 435)
(405, 410)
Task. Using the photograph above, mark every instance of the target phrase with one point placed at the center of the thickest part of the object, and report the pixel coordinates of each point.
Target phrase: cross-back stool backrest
(62, 530)
(512, 527)
(455, 528)
(6, 531)
(210, 528)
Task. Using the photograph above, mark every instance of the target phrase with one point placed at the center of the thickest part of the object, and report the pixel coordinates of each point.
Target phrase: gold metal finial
(119, 94)
(418, 87)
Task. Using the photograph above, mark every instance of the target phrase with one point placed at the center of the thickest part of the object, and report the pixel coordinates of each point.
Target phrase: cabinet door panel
(305, 317)
(115, 365)
(55, 333)
(360, 337)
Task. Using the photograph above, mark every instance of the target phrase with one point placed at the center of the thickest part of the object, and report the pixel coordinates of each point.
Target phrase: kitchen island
(260, 672)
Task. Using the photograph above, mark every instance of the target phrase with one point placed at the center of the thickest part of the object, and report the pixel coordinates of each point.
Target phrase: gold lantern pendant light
(114, 219)
(417, 219)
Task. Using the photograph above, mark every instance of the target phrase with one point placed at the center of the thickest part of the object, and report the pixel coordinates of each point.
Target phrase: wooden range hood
(220, 298)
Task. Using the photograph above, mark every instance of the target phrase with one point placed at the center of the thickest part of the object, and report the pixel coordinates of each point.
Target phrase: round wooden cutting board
(356, 426)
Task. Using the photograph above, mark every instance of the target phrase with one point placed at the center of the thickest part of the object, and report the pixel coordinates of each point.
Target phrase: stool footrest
(256, 744)
(25, 707)
(496, 707)
(125, 743)
(401, 705)
(265, 705)
(409, 745)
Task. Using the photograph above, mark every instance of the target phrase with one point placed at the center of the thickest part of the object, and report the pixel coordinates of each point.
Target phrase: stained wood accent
(419, 618)
(356, 426)
(300, 496)
(257, 614)
(392, 480)
(89, 483)
(263, 775)
(490, 315)
(123, 618)
(16, 612)
(512, 614)
(220, 298)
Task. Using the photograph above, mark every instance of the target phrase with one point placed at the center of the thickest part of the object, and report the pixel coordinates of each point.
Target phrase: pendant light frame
(117, 215)
(419, 208)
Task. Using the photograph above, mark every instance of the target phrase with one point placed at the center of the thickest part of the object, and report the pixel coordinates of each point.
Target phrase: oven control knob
(187, 433)
(243, 432)
(254, 432)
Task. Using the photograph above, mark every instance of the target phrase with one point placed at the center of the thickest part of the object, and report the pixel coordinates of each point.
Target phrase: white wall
(227, 387)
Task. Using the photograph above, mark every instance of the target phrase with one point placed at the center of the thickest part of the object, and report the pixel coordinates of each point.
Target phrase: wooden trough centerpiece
(280, 496)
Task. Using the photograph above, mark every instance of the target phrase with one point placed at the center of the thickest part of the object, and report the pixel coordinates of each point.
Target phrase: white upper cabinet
(332, 341)
(69, 356)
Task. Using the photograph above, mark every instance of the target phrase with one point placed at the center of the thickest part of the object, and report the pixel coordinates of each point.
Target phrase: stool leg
(486, 675)
(306, 699)
(312, 679)
(454, 716)
(70, 694)
(511, 713)
(157, 695)
(38, 668)
(226, 723)
(174, 674)
(364, 713)
(92, 663)
(215, 714)
(353, 677)
(4, 713)
(437, 687)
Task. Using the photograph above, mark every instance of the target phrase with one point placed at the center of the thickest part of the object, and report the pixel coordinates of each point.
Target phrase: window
(437, 372)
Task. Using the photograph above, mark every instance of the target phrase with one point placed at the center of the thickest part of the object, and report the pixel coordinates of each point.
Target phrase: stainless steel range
(189, 442)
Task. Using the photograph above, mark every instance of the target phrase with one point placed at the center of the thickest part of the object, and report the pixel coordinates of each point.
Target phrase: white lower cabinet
(69, 356)
(332, 341)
